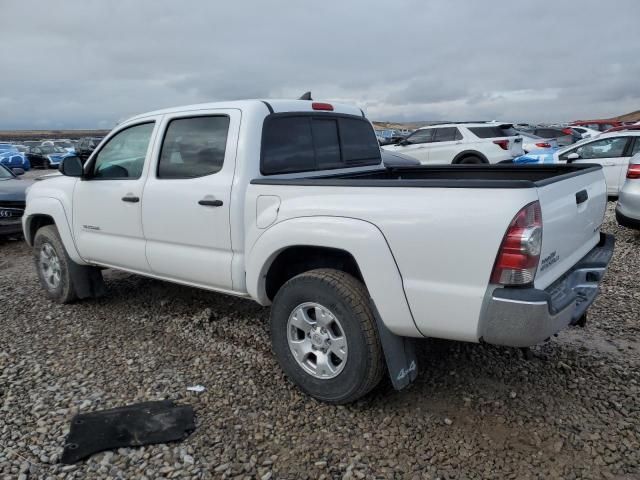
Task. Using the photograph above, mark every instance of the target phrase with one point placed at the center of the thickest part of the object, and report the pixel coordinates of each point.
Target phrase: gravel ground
(568, 410)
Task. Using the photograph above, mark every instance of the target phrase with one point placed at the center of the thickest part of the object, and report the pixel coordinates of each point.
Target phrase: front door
(106, 204)
(416, 145)
(186, 202)
(611, 152)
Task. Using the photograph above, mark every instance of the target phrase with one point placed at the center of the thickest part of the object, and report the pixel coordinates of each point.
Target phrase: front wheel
(324, 336)
(52, 264)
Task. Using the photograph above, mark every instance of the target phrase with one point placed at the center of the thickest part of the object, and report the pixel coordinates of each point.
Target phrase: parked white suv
(462, 143)
(611, 150)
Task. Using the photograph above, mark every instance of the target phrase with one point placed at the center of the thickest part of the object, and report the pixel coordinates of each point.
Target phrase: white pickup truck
(287, 202)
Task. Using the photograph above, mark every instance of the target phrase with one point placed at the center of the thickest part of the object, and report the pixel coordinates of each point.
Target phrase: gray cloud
(90, 63)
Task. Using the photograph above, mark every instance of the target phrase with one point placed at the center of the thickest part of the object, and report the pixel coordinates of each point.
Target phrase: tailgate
(572, 211)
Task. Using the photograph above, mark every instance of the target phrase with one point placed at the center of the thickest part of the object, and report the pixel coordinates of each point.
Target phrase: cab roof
(269, 106)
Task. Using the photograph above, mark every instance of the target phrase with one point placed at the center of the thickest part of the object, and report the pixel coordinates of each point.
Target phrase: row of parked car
(617, 149)
(44, 153)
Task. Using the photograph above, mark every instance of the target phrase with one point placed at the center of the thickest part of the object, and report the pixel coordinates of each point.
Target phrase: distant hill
(629, 117)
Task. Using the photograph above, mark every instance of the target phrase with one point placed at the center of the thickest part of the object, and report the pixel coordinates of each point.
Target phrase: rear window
(492, 132)
(303, 143)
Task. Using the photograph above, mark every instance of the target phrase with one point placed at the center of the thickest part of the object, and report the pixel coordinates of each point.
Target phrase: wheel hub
(50, 266)
(317, 340)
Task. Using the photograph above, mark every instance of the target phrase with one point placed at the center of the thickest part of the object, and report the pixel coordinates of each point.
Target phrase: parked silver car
(628, 209)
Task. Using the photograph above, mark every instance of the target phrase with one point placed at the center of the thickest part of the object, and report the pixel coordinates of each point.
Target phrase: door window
(193, 147)
(636, 147)
(123, 156)
(604, 148)
(446, 134)
(421, 136)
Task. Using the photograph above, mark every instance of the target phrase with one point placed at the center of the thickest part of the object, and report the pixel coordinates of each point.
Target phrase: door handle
(581, 197)
(130, 199)
(210, 203)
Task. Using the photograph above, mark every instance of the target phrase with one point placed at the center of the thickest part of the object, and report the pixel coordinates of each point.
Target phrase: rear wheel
(324, 336)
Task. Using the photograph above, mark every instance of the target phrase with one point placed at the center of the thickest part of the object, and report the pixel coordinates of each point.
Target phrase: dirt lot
(571, 410)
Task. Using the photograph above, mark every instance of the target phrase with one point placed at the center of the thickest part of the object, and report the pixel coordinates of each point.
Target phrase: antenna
(305, 96)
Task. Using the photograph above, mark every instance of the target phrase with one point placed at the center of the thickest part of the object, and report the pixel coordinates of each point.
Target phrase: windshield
(5, 173)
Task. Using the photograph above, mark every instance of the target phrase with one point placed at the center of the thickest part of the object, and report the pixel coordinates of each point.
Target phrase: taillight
(322, 106)
(519, 253)
(543, 145)
(633, 171)
(567, 131)
(504, 144)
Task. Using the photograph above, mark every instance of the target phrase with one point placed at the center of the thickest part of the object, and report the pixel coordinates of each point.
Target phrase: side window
(359, 144)
(287, 146)
(458, 135)
(446, 134)
(124, 154)
(604, 148)
(421, 136)
(193, 147)
(636, 146)
(308, 143)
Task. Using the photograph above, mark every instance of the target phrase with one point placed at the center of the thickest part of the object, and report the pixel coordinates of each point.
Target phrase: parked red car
(624, 127)
(601, 125)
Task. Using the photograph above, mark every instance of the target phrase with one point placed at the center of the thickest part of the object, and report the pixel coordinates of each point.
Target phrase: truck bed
(447, 176)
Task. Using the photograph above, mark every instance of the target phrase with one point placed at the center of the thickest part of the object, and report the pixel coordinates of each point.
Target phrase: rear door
(444, 145)
(612, 153)
(187, 197)
(572, 212)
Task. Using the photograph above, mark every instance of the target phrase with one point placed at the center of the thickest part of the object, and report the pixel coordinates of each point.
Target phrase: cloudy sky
(90, 63)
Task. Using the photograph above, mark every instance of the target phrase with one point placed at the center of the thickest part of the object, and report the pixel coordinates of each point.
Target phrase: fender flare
(363, 240)
(53, 208)
(466, 153)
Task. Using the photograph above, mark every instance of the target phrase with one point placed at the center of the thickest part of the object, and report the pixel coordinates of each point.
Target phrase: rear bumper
(627, 221)
(521, 317)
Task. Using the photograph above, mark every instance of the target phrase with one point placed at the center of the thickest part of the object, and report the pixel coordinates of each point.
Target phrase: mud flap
(130, 426)
(86, 280)
(399, 353)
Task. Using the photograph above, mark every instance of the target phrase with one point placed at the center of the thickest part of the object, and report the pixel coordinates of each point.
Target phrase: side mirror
(573, 156)
(71, 167)
(403, 143)
(17, 171)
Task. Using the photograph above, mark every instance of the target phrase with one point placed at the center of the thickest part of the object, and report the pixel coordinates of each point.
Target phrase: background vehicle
(12, 200)
(628, 207)
(585, 132)
(600, 125)
(531, 142)
(564, 136)
(468, 143)
(11, 157)
(611, 150)
(396, 159)
(293, 207)
(86, 146)
(64, 144)
(46, 156)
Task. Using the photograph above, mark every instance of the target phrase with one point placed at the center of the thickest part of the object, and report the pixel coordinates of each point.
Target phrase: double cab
(288, 202)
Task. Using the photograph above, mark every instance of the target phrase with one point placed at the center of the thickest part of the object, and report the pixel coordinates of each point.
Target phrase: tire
(58, 287)
(470, 160)
(345, 302)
